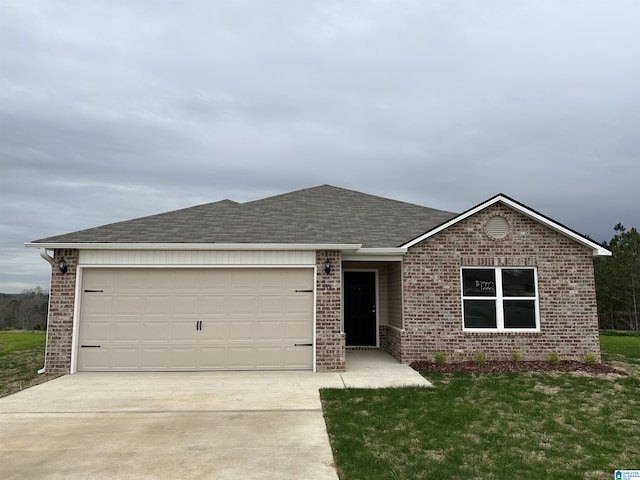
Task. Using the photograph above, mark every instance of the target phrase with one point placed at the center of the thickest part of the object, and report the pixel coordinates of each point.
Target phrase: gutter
(46, 256)
(50, 260)
(348, 247)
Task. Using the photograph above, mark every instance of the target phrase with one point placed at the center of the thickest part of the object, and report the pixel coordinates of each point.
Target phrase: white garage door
(196, 319)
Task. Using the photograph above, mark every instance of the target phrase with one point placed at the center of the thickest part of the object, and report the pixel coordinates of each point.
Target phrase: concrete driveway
(196, 425)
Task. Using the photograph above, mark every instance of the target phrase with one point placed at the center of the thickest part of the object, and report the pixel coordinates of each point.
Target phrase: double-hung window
(500, 298)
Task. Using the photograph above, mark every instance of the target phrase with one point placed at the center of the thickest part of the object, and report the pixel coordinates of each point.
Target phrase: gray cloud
(114, 110)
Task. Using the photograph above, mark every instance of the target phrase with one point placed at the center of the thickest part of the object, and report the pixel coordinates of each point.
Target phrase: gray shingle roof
(318, 215)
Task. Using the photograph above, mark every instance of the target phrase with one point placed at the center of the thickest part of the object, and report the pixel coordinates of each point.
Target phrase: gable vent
(497, 227)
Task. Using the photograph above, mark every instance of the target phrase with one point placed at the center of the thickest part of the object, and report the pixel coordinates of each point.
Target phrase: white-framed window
(500, 299)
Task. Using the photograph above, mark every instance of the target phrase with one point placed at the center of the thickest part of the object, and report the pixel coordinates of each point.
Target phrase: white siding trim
(598, 250)
(195, 257)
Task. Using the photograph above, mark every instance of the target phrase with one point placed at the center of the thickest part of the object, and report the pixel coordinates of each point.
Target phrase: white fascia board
(394, 254)
(598, 250)
(348, 247)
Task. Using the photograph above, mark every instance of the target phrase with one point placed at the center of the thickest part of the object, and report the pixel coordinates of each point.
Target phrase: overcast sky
(111, 110)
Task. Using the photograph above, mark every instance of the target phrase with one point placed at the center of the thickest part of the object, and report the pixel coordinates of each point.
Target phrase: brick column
(330, 341)
(60, 322)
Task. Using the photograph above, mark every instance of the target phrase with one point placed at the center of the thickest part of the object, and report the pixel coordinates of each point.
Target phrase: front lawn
(491, 426)
(21, 356)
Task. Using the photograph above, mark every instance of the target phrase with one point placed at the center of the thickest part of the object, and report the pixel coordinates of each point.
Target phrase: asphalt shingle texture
(317, 215)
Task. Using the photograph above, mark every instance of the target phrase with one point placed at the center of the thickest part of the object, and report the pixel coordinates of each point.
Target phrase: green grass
(13, 341)
(621, 346)
(21, 356)
(533, 425)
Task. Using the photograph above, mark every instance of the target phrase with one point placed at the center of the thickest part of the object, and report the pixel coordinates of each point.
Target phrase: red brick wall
(330, 341)
(61, 305)
(432, 291)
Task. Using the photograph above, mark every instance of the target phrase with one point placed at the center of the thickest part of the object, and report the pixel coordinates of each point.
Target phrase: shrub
(590, 360)
(554, 358)
(440, 358)
(480, 357)
(516, 357)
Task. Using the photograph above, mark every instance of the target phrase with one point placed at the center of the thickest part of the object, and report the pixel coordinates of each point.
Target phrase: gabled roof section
(323, 215)
(598, 250)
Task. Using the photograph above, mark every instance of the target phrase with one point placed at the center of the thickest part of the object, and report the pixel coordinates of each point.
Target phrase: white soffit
(598, 250)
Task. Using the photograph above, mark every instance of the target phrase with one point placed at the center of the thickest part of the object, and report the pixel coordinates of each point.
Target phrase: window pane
(519, 314)
(480, 314)
(479, 282)
(518, 282)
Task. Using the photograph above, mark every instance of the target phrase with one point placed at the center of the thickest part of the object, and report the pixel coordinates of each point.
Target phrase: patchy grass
(492, 426)
(21, 356)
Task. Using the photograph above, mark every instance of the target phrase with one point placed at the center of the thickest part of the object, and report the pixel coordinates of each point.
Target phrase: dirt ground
(514, 367)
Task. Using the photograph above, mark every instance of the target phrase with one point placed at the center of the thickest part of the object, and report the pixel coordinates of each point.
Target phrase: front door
(360, 309)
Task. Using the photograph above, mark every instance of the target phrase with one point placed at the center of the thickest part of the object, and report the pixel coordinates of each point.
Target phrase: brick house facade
(419, 306)
(432, 292)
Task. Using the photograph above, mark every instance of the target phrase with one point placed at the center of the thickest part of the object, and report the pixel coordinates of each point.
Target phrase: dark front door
(360, 308)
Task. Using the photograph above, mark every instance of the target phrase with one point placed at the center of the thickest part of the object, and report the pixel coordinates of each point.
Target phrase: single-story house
(295, 280)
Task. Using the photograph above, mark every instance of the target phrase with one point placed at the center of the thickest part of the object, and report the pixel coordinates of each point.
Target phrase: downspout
(50, 260)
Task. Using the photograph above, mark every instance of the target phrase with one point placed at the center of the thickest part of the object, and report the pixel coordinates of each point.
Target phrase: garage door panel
(269, 357)
(157, 306)
(243, 331)
(127, 331)
(272, 281)
(154, 358)
(96, 305)
(215, 304)
(182, 358)
(298, 331)
(297, 357)
(190, 319)
(126, 305)
(212, 358)
(271, 304)
(298, 279)
(244, 279)
(185, 306)
(299, 304)
(97, 331)
(94, 359)
(156, 332)
(183, 331)
(123, 358)
(243, 305)
(213, 332)
(241, 358)
(270, 331)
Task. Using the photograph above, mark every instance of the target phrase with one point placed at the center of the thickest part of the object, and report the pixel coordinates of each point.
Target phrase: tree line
(25, 311)
(618, 281)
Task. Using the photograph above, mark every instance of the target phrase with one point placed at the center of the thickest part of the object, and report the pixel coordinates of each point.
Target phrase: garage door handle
(199, 325)
(89, 346)
(303, 344)
(304, 291)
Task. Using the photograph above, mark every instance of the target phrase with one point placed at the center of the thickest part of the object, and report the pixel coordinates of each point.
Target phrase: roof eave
(597, 249)
(345, 247)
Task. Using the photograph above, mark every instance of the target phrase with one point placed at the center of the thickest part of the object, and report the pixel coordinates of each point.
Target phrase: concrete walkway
(196, 425)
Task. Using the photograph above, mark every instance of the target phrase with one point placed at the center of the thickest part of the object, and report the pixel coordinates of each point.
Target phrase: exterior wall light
(327, 266)
(62, 265)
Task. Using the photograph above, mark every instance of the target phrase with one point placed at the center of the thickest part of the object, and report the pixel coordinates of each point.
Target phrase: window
(502, 299)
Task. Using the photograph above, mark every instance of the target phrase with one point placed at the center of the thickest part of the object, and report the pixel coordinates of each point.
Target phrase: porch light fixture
(327, 266)
(62, 265)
